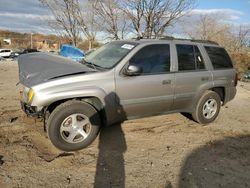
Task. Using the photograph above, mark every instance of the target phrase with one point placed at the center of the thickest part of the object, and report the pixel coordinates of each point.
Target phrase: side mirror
(133, 70)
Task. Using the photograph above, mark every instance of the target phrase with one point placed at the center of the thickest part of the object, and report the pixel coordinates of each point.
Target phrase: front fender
(44, 98)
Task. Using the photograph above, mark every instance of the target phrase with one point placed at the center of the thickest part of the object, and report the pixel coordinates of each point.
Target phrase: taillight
(236, 79)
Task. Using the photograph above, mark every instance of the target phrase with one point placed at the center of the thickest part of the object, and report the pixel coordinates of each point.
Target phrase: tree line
(115, 19)
(121, 19)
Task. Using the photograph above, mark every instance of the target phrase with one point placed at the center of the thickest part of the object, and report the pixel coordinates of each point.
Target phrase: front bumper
(31, 110)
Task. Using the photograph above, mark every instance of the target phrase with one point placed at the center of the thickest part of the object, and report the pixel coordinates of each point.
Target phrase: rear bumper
(230, 94)
(31, 110)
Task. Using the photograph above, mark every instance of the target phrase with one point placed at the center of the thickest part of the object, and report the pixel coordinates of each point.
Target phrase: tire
(207, 108)
(73, 125)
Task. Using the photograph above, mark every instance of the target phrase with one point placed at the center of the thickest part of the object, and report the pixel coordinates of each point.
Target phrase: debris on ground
(1, 160)
(13, 119)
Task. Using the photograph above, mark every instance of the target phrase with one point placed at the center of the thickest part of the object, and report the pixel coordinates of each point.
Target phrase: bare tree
(69, 19)
(87, 21)
(207, 27)
(211, 27)
(63, 12)
(135, 10)
(111, 18)
(147, 18)
(234, 38)
(242, 37)
(150, 18)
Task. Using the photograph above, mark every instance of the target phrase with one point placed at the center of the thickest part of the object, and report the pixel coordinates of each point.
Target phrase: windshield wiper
(98, 66)
(94, 66)
(89, 64)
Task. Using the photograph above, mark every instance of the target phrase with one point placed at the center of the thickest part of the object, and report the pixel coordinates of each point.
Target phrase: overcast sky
(31, 16)
(23, 16)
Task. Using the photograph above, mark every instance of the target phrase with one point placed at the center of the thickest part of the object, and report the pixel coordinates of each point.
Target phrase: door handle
(165, 82)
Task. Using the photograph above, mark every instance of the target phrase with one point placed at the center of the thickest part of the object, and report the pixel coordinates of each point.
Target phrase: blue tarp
(72, 52)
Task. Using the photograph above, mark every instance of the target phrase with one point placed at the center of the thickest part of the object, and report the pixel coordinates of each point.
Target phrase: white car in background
(5, 53)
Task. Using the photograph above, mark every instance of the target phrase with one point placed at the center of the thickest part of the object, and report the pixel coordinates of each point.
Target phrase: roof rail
(173, 38)
(191, 40)
(204, 41)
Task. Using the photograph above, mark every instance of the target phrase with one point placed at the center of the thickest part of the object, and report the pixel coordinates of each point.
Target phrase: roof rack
(191, 40)
(173, 38)
(204, 41)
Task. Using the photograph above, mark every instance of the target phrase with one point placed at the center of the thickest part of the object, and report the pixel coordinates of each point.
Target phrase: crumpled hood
(36, 68)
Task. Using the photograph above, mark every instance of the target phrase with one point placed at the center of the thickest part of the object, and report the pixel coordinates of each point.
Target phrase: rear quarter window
(219, 57)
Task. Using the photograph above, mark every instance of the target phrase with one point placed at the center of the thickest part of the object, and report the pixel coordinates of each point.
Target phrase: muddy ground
(163, 151)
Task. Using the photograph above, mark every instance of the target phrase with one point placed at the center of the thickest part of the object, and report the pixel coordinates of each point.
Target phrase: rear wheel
(207, 108)
(73, 125)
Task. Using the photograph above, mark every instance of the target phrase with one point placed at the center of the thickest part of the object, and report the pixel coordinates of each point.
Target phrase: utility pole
(31, 40)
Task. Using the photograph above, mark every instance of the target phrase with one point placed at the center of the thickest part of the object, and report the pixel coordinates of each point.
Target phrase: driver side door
(152, 91)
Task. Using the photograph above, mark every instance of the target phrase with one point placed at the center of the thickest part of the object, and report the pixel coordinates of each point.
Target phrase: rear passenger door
(191, 74)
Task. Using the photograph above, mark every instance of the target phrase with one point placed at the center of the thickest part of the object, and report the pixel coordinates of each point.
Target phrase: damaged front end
(26, 96)
(38, 68)
(32, 111)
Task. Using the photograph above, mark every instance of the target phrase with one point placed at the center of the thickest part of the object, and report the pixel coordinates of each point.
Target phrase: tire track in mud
(34, 143)
(161, 124)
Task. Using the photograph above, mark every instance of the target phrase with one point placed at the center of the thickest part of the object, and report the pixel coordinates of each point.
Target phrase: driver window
(153, 59)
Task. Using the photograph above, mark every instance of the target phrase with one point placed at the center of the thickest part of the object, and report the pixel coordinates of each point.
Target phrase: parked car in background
(247, 75)
(30, 50)
(15, 53)
(18, 52)
(5, 53)
(53, 51)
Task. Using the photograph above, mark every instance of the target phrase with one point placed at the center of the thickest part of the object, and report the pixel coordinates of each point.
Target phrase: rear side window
(219, 57)
(189, 58)
(153, 59)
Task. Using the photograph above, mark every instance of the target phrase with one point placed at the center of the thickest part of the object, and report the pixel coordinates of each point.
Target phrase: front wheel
(73, 125)
(207, 108)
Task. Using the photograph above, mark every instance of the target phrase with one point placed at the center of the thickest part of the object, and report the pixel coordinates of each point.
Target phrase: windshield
(110, 54)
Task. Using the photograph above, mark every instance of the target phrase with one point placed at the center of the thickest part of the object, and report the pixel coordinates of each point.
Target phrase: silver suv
(125, 80)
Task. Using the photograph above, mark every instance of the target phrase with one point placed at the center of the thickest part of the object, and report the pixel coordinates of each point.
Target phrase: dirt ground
(164, 151)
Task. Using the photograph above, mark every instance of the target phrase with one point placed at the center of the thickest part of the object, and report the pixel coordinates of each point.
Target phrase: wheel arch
(220, 91)
(92, 100)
